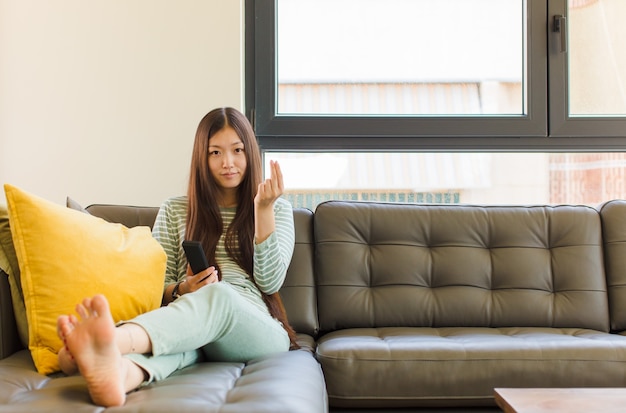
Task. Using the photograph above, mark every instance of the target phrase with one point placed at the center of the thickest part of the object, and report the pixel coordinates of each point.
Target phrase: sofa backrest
(613, 214)
(130, 216)
(381, 264)
(298, 291)
(9, 339)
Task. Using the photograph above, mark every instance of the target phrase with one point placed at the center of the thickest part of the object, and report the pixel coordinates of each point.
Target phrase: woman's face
(227, 160)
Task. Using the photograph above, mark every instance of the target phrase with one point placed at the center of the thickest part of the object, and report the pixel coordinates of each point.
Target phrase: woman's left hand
(271, 189)
(268, 192)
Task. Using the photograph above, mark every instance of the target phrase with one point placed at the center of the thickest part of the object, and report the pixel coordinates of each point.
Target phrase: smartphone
(195, 256)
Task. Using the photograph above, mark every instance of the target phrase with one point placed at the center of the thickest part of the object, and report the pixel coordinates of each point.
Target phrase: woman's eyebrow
(232, 144)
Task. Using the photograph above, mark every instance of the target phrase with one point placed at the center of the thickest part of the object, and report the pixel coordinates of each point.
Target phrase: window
(470, 101)
(413, 74)
(431, 56)
(453, 177)
(381, 58)
(588, 69)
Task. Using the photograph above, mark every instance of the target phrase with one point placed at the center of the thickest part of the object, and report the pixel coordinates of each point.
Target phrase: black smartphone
(195, 256)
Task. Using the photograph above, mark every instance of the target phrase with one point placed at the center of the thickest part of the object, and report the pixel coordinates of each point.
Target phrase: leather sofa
(403, 306)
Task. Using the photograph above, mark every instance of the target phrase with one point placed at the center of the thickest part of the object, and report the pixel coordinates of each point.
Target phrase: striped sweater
(271, 257)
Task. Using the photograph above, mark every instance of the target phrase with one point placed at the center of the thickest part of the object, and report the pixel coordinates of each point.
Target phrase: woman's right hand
(193, 282)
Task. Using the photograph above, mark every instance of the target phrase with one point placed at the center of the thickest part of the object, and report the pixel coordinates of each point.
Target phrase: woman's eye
(214, 153)
(239, 150)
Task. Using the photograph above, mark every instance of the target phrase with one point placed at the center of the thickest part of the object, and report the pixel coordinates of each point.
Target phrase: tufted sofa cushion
(613, 214)
(290, 382)
(130, 216)
(460, 366)
(298, 291)
(385, 265)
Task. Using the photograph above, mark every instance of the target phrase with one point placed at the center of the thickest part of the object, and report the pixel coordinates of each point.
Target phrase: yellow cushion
(65, 255)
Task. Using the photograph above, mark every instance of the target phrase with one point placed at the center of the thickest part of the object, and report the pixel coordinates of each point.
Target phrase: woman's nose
(227, 160)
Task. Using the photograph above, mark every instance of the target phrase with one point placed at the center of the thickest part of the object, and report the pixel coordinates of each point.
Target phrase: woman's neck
(228, 200)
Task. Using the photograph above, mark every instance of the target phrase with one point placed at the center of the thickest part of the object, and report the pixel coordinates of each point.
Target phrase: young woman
(228, 312)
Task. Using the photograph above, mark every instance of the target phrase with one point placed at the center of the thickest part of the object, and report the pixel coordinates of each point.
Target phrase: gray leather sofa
(289, 382)
(403, 306)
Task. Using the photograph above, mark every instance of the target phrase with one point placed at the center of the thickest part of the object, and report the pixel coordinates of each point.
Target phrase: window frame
(561, 124)
(544, 128)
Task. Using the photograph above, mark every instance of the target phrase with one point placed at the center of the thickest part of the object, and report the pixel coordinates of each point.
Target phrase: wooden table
(605, 400)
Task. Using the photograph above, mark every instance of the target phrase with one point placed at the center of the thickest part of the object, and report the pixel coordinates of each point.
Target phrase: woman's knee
(219, 291)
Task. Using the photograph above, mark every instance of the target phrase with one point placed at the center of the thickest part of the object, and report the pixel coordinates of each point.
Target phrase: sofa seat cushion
(289, 382)
(402, 366)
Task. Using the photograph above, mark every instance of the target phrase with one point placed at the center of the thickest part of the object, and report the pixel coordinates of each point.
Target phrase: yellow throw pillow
(65, 255)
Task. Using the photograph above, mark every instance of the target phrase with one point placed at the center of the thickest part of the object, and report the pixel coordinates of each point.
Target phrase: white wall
(100, 99)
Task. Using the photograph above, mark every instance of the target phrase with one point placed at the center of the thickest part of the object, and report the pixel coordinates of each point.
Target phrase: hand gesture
(270, 189)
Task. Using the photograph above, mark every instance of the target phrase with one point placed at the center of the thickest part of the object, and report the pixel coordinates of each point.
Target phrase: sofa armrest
(9, 340)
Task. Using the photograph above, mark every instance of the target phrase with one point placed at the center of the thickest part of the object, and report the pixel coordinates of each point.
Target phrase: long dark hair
(204, 220)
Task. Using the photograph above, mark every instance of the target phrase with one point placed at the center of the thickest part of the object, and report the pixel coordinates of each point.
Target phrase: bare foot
(66, 360)
(91, 341)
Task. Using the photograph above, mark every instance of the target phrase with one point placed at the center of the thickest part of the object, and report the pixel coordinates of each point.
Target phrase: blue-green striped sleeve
(272, 256)
(168, 230)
